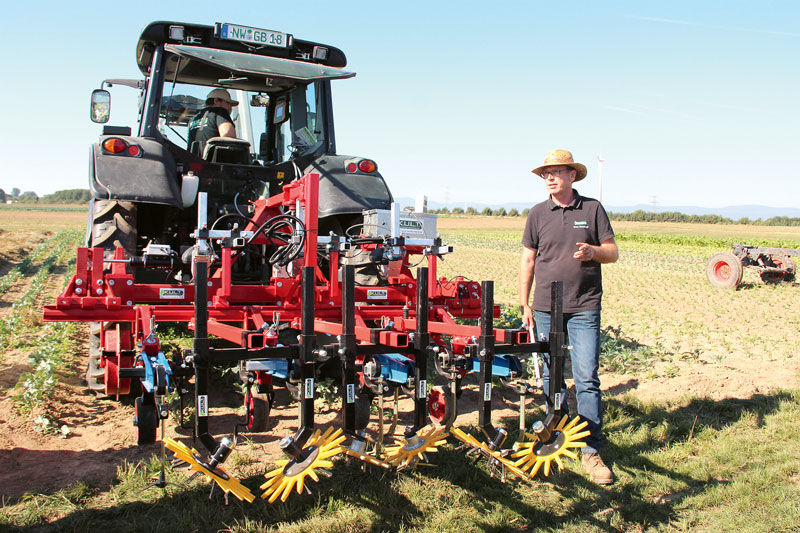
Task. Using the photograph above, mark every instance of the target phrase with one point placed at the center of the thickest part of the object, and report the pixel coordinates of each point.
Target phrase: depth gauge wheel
(257, 407)
(724, 270)
(146, 420)
(439, 408)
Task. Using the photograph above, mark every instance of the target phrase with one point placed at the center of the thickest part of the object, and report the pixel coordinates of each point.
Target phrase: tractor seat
(227, 150)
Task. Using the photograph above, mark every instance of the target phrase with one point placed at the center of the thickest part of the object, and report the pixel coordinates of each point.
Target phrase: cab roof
(203, 55)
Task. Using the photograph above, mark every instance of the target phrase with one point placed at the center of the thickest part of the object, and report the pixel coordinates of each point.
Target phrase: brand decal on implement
(202, 405)
(410, 226)
(580, 224)
(171, 294)
(377, 294)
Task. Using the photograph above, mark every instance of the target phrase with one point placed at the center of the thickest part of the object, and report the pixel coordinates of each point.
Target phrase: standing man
(214, 120)
(566, 238)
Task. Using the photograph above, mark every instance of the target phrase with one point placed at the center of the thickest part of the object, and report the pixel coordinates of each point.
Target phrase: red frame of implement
(238, 311)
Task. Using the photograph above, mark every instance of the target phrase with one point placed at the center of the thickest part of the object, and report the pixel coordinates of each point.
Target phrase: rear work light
(114, 146)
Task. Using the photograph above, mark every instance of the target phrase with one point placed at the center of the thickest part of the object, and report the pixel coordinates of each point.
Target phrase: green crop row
(54, 347)
(16, 326)
(699, 241)
(27, 264)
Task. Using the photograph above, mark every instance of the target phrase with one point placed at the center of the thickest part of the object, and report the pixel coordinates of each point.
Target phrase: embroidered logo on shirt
(580, 224)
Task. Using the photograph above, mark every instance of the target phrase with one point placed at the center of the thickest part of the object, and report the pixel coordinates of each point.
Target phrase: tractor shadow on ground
(390, 496)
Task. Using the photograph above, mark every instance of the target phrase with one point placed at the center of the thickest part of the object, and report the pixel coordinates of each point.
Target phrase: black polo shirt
(553, 231)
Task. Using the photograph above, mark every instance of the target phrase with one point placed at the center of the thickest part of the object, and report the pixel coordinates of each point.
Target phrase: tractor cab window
(278, 126)
(297, 129)
(182, 103)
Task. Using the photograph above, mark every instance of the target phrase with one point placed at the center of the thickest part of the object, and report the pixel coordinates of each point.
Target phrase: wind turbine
(600, 162)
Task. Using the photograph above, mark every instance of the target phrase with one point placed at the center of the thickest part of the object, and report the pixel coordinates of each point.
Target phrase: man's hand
(527, 317)
(585, 252)
(607, 252)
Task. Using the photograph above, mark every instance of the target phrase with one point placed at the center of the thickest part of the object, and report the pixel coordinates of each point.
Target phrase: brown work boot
(596, 468)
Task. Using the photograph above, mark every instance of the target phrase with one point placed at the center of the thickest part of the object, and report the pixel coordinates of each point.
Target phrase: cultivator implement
(312, 321)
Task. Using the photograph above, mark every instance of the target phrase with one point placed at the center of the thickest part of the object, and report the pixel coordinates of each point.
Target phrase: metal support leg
(486, 356)
(421, 344)
(308, 341)
(202, 356)
(557, 353)
(347, 350)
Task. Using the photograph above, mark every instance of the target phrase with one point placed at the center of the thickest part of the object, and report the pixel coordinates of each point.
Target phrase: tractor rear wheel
(724, 270)
(784, 262)
(113, 225)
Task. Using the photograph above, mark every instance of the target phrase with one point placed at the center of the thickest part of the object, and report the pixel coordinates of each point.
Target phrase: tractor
(286, 259)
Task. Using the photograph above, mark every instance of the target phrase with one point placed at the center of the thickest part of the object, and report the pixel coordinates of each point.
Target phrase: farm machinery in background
(290, 261)
(774, 265)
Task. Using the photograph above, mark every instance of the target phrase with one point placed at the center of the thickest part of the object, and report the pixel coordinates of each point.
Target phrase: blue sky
(690, 103)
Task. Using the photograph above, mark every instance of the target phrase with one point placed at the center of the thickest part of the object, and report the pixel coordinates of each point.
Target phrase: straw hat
(558, 158)
(223, 95)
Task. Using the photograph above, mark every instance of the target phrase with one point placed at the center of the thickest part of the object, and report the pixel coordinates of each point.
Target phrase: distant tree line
(486, 211)
(67, 196)
(674, 216)
(636, 216)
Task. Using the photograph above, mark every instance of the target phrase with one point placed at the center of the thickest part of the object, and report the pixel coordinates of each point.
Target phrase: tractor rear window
(182, 102)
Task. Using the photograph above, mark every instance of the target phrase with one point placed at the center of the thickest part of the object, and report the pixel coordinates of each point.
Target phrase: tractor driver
(214, 120)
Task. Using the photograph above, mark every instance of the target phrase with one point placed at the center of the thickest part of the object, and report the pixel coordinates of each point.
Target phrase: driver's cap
(222, 94)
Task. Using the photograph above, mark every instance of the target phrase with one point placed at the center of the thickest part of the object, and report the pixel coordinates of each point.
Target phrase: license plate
(257, 36)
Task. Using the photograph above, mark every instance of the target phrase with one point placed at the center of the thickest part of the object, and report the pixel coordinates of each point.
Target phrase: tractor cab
(284, 128)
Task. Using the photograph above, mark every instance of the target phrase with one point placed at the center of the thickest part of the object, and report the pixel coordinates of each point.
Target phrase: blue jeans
(583, 332)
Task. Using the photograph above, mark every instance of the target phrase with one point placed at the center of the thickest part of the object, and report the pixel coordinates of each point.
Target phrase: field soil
(102, 438)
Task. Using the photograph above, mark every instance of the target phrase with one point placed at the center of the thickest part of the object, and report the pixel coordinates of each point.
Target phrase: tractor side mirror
(100, 110)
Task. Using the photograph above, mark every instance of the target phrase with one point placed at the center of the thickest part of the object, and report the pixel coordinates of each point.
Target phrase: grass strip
(680, 465)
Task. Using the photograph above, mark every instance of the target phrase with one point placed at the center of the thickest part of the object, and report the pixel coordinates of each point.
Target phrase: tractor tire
(114, 225)
(146, 420)
(724, 270)
(780, 261)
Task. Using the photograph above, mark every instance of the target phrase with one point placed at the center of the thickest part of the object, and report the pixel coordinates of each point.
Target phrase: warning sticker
(171, 294)
(351, 393)
(377, 294)
(487, 392)
(423, 388)
(308, 389)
